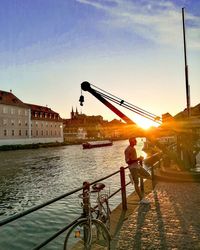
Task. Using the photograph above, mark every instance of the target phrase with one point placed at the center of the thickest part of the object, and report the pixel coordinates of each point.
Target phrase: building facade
(81, 127)
(46, 125)
(22, 123)
(84, 127)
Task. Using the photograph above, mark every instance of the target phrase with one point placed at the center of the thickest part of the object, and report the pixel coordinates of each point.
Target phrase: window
(5, 121)
(12, 122)
(31, 132)
(40, 115)
(20, 123)
(36, 132)
(26, 132)
(13, 132)
(5, 132)
(46, 132)
(46, 124)
(36, 124)
(26, 123)
(26, 112)
(20, 132)
(12, 111)
(19, 111)
(42, 132)
(5, 110)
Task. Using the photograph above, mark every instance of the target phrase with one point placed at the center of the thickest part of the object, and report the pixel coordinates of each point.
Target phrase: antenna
(186, 68)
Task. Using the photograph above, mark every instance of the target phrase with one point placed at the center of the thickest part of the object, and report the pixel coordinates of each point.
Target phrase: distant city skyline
(132, 49)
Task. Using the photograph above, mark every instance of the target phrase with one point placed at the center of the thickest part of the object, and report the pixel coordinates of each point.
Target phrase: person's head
(132, 141)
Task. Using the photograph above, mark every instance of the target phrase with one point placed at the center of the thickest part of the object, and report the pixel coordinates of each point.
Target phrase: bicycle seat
(97, 187)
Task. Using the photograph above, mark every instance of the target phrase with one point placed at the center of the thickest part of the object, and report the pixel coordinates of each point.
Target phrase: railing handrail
(57, 234)
(35, 208)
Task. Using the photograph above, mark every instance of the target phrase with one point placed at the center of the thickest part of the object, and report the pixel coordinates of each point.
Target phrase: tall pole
(186, 68)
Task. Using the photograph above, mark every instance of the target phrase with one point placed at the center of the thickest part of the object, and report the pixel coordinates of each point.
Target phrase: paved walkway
(171, 221)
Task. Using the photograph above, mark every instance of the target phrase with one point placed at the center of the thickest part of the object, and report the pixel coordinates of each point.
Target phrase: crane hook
(81, 100)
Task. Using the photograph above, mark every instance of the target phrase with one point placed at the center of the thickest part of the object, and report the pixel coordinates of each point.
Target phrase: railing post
(142, 185)
(86, 189)
(123, 188)
(152, 176)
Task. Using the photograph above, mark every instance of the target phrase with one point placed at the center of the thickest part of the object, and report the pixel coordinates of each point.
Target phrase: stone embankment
(170, 221)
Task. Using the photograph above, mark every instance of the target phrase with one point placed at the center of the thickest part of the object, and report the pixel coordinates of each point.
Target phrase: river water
(31, 177)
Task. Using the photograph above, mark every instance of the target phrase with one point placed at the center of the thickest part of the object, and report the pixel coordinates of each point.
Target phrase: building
(15, 121)
(46, 125)
(81, 127)
(22, 123)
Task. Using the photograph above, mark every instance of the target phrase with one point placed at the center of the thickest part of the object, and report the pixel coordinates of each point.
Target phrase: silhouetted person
(135, 167)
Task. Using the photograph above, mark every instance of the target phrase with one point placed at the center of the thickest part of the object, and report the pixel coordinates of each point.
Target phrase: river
(31, 177)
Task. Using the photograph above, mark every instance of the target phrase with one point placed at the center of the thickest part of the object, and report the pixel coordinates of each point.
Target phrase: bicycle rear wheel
(83, 237)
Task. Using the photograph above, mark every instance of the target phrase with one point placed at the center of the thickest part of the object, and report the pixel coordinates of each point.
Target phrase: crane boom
(104, 96)
(86, 87)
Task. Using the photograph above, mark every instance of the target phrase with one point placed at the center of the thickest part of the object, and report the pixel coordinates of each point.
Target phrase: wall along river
(32, 177)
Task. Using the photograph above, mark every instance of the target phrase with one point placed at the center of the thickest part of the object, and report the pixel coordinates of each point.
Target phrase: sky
(131, 49)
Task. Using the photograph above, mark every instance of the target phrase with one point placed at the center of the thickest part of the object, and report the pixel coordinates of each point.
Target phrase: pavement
(170, 221)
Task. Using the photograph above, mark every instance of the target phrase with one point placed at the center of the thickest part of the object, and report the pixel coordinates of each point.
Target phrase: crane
(104, 96)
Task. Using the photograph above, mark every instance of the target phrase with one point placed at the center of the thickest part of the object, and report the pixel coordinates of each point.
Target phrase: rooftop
(8, 98)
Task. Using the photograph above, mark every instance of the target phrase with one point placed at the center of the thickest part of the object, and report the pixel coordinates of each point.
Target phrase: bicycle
(103, 210)
(91, 233)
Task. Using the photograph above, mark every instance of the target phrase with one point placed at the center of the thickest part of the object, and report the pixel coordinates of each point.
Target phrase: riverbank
(31, 146)
(45, 145)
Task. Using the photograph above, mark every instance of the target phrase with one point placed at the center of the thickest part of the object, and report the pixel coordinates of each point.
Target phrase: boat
(96, 144)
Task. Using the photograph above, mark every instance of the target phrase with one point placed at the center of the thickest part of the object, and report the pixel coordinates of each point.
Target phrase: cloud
(158, 21)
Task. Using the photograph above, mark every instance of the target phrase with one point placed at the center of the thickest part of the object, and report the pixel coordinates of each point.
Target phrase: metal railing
(152, 162)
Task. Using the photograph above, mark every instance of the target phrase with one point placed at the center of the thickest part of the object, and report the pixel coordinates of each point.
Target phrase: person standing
(135, 167)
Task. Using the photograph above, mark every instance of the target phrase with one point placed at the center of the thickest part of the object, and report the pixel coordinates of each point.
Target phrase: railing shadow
(142, 212)
(185, 208)
(160, 222)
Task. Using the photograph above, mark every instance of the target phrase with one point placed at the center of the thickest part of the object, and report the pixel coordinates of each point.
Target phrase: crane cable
(128, 105)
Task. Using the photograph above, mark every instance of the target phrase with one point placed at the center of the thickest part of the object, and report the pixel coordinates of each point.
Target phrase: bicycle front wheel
(85, 235)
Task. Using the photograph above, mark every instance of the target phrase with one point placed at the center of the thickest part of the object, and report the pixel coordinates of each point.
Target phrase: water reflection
(31, 177)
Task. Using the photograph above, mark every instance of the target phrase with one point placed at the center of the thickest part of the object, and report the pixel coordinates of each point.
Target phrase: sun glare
(145, 123)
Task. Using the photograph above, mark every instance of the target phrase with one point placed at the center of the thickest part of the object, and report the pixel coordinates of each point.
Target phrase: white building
(22, 123)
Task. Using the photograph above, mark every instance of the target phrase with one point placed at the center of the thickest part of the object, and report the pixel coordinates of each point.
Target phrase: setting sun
(145, 123)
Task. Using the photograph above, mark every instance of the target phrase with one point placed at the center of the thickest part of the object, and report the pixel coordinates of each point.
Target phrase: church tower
(72, 114)
(76, 111)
